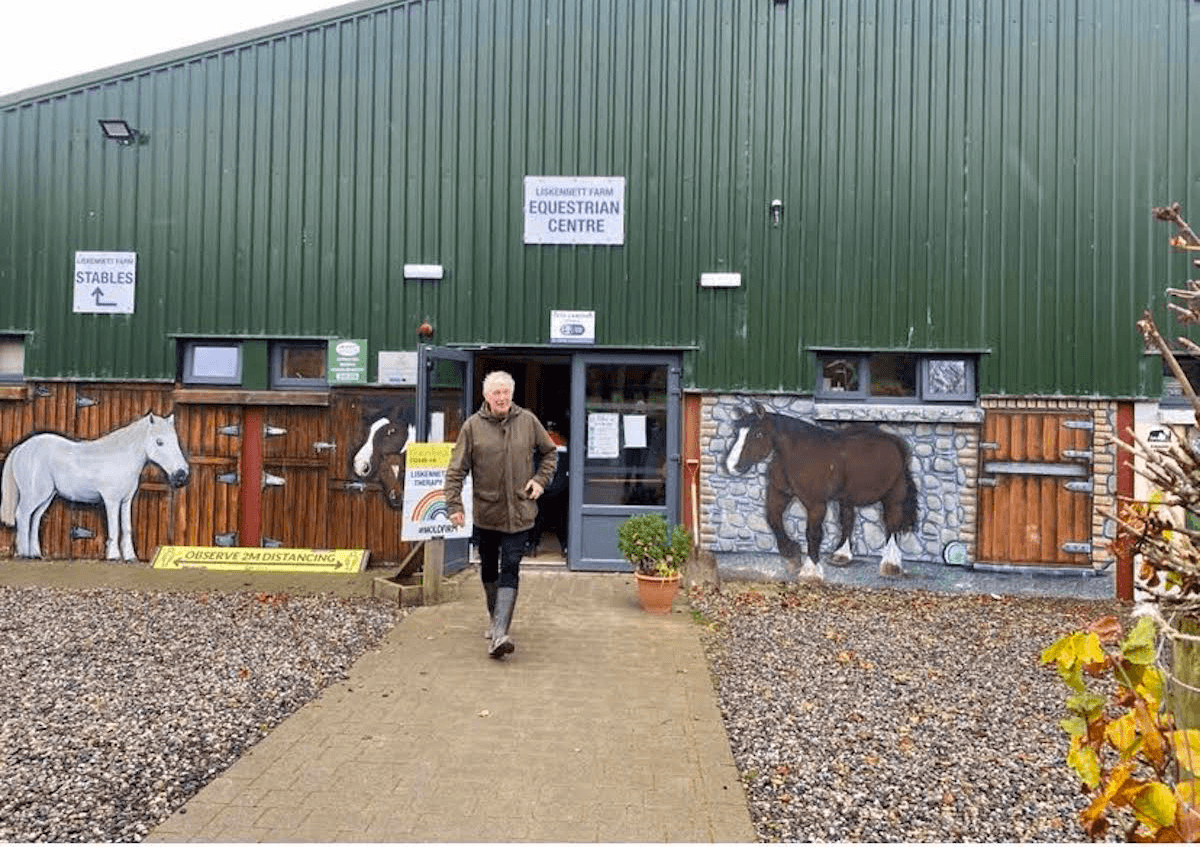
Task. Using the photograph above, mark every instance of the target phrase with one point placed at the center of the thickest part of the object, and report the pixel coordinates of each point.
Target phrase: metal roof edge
(180, 55)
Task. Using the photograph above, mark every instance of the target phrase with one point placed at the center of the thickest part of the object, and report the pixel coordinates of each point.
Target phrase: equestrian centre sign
(574, 210)
(425, 515)
(105, 282)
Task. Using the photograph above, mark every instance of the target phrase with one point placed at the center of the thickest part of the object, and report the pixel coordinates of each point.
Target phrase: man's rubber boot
(489, 591)
(506, 601)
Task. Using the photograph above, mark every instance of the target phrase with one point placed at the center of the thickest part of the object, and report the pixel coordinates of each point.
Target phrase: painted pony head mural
(855, 466)
(106, 470)
(381, 456)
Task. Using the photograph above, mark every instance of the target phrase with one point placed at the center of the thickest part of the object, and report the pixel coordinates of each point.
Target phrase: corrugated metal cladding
(954, 174)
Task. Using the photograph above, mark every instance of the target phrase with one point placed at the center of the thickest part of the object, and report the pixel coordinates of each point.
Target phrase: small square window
(841, 376)
(212, 363)
(949, 380)
(894, 375)
(299, 364)
(12, 358)
(1172, 392)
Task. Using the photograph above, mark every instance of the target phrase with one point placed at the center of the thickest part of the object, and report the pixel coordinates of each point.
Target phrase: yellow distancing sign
(274, 559)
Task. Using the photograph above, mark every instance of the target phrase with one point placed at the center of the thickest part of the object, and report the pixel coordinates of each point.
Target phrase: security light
(118, 130)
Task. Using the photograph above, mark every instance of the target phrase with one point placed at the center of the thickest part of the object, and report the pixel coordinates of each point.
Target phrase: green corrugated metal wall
(955, 174)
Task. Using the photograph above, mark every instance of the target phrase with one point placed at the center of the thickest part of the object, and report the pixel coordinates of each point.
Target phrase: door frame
(580, 358)
(585, 517)
(457, 550)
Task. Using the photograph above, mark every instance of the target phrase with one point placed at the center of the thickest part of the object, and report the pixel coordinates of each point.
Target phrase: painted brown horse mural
(855, 466)
(381, 456)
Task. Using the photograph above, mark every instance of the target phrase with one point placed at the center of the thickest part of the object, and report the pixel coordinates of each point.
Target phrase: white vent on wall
(720, 280)
(423, 272)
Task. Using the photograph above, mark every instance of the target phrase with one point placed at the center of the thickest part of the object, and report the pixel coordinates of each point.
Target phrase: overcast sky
(45, 41)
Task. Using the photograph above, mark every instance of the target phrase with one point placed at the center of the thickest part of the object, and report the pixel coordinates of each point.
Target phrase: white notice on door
(603, 434)
(635, 431)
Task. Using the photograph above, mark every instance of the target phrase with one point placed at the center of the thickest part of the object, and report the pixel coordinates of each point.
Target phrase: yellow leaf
(1075, 726)
(1056, 650)
(1153, 743)
(1155, 805)
(1187, 748)
(1085, 763)
(1072, 653)
(1089, 650)
(1122, 733)
(1152, 686)
(1087, 704)
(1097, 810)
(1139, 646)
(1188, 791)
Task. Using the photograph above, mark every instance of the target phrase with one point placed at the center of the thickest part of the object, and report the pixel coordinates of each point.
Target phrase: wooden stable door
(1035, 488)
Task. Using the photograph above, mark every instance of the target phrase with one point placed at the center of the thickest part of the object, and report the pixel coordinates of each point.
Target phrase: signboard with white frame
(347, 361)
(572, 327)
(574, 209)
(104, 282)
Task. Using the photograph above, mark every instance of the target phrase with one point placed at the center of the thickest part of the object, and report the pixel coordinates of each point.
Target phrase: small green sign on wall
(348, 361)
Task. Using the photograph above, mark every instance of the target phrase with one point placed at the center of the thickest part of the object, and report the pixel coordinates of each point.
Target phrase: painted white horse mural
(106, 470)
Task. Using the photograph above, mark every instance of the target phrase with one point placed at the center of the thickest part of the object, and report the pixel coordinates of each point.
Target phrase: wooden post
(431, 571)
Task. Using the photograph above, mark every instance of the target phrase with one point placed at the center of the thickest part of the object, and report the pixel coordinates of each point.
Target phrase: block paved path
(602, 726)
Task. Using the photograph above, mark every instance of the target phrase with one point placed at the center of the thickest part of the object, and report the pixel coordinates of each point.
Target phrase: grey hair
(496, 379)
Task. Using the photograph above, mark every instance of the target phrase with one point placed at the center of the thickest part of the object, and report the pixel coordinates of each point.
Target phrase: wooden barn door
(207, 510)
(1035, 488)
(296, 451)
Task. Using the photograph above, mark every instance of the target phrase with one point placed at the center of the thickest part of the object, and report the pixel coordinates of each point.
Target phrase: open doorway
(543, 386)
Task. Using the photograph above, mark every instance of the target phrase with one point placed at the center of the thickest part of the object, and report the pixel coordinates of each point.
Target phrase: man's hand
(458, 518)
(533, 490)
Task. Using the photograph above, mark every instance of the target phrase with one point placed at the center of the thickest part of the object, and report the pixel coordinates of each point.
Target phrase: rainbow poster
(425, 512)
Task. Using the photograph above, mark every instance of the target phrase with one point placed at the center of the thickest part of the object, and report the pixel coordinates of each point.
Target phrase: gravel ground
(117, 706)
(889, 715)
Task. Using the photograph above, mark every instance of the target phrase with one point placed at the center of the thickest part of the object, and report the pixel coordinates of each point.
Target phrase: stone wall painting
(852, 466)
(942, 452)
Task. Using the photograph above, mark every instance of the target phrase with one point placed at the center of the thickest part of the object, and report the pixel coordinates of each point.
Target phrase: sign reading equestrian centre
(574, 210)
(425, 515)
(105, 282)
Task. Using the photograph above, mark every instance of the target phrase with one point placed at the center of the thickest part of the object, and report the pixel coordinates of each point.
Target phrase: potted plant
(657, 557)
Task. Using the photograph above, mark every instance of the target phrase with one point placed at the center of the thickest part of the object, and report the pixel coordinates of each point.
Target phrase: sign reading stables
(574, 210)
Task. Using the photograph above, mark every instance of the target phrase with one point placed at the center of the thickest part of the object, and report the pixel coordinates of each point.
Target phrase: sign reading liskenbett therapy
(574, 210)
(105, 282)
(425, 514)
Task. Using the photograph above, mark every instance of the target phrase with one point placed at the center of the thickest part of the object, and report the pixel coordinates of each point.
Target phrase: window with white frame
(900, 377)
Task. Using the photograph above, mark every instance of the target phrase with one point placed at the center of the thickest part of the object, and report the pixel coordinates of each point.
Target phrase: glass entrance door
(626, 412)
(444, 380)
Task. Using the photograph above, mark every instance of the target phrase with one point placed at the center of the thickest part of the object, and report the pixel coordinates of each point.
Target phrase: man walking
(500, 446)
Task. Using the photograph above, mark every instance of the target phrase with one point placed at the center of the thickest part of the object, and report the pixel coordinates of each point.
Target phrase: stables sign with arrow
(105, 282)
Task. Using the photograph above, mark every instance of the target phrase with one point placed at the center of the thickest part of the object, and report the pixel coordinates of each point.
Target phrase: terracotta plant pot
(657, 593)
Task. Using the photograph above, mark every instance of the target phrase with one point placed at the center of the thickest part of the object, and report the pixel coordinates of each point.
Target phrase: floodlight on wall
(118, 130)
(776, 212)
